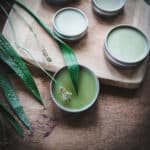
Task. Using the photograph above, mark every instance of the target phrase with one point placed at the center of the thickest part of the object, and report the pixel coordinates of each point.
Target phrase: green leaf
(69, 55)
(12, 98)
(4, 110)
(14, 61)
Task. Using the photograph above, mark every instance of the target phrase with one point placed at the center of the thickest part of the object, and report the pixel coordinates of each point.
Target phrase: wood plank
(89, 50)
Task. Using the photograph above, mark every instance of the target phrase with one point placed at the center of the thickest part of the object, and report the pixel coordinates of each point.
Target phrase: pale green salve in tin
(109, 4)
(87, 89)
(127, 44)
(70, 22)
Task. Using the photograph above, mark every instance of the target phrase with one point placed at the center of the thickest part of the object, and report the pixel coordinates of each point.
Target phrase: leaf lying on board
(4, 110)
(13, 60)
(24, 49)
(12, 98)
(64, 93)
(69, 55)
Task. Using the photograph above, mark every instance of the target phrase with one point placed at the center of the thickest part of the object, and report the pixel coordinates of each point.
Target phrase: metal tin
(75, 35)
(108, 12)
(81, 109)
(119, 62)
(116, 63)
(60, 2)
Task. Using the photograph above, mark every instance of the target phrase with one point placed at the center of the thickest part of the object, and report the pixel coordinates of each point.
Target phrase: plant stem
(64, 93)
(24, 49)
(69, 55)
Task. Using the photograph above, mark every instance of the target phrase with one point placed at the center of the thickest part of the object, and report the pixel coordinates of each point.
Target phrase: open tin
(88, 90)
(70, 24)
(108, 7)
(126, 46)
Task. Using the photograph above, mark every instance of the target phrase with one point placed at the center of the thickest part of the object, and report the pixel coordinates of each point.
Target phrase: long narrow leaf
(13, 60)
(4, 110)
(12, 98)
(69, 55)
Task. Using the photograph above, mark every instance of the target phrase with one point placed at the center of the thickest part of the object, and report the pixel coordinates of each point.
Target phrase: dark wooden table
(120, 120)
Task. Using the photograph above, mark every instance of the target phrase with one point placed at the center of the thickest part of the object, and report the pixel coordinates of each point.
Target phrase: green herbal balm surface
(87, 89)
(127, 44)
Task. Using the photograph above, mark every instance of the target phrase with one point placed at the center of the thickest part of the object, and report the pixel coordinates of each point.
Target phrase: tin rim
(75, 9)
(104, 13)
(110, 10)
(122, 61)
(71, 39)
(85, 107)
(118, 64)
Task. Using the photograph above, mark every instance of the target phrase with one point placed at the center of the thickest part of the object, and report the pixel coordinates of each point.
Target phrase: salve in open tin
(70, 23)
(126, 46)
(88, 90)
(108, 7)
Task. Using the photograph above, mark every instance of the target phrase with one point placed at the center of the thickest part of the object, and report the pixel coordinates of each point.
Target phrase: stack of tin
(107, 7)
(70, 24)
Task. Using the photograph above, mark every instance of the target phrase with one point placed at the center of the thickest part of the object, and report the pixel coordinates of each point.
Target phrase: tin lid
(109, 5)
(127, 44)
(70, 22)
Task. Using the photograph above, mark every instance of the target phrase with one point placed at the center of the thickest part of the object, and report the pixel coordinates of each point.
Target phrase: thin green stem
(24, 49)
(64, 93)
(68, 53)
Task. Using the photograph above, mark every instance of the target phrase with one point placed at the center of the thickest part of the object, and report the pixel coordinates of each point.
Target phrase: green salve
(87, 89)
(127, 44)
(108, 4)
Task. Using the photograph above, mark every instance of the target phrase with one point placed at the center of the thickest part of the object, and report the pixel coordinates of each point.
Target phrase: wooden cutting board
(89, 50)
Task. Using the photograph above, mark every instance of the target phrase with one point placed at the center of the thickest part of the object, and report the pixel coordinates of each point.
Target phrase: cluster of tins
(124, 46)
(71, 24)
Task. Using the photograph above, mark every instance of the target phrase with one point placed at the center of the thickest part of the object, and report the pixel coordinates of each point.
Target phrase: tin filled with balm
(64, 95)
(70, 24)
(108, 7)
(126, 46)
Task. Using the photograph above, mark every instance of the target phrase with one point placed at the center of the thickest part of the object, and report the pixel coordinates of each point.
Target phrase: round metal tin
(68, 36)
(81, 109)
(108, 12)
(116, 61)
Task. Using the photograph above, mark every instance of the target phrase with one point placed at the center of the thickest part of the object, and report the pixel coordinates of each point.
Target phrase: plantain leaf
(13, 60)
(69, 55)
(12, 98)
(4, 110)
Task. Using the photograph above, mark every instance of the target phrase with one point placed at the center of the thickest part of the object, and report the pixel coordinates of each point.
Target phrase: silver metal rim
(118, 64)
(71, 8)
(121, 61)
(111, 10)
(103, 13)
(81, 109)
(71, 39)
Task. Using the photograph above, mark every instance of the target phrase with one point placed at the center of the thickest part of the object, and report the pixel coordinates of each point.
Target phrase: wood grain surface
(119, 120)
(89, 50)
